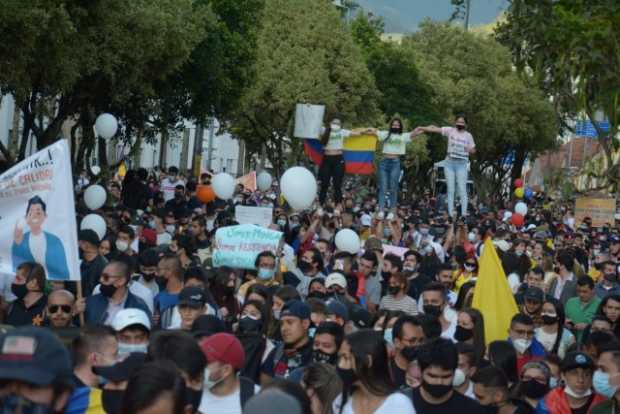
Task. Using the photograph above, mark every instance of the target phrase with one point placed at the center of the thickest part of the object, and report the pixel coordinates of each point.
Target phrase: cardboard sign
(398, 251)
(308, 120)
(261, 216)
(238, 246)
(600, 210)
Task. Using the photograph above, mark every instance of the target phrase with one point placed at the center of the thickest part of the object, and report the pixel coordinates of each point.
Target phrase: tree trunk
(517, 166)
(184, 151)
(163, 148)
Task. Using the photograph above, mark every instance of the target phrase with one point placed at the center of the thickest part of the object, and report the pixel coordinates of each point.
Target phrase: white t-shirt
(394, 403)
(38, 247)
(397, 144)
(229, 404)
(167, 188)
(458, 141)
(336, 139)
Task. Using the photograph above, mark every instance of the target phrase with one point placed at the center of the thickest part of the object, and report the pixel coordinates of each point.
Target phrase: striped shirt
(406, 304)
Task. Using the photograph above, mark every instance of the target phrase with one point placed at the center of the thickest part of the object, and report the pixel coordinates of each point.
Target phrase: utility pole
(467, 8)
(210, 145)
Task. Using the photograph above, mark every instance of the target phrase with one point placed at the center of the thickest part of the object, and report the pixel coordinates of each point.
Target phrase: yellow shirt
(594, 274)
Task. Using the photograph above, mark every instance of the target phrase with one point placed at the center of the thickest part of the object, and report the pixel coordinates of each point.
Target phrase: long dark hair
(502, 354)
(561, 317)
(479, 343)
(400, 130)
(328, 130)
(365, 343)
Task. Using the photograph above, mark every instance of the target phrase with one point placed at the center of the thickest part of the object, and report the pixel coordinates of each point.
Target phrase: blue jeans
(389, 173)
(455, 169)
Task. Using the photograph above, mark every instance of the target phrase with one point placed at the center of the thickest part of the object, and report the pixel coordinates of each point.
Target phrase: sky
(403, 16)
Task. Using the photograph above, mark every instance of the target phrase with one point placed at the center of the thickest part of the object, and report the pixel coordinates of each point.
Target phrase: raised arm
(363, 131)
(430, 128)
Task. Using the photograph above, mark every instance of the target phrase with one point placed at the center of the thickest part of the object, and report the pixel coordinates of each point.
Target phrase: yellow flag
(492, 295)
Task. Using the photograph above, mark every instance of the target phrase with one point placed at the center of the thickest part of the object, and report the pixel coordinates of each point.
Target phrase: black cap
(361, 317)
(576, 360)
(534, 293)
(192, 296)
(121, 371)
(35, 356)
(207, 325)
(89, 236)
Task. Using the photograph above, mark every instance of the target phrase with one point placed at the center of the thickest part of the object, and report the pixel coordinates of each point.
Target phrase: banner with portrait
(37, 214)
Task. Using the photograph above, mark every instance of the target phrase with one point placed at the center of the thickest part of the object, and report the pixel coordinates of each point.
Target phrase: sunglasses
(54, 308)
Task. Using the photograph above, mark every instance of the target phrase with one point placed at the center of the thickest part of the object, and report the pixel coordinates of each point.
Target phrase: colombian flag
(359, 153)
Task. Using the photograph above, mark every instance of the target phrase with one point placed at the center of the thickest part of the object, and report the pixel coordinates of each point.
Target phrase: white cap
(507, 215)
(336, 279)
(128, 317)
(503, 245)
(366, 220)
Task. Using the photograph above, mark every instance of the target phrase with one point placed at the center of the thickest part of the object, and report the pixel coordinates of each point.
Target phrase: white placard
(308, 120)
(261, 216)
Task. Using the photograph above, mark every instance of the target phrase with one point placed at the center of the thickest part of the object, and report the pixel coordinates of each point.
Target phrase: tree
(75, 59)
(572, 48)
(473, 75)
(304, 54)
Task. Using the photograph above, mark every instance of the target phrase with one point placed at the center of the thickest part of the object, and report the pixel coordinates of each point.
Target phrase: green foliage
(572, 47)
(304, 54)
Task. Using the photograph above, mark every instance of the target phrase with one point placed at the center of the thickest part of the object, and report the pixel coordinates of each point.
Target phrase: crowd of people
(154, 327)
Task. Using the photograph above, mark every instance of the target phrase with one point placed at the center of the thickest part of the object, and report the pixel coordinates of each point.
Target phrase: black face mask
(534, 389)
(193, 397)
(460, 127)
(317, 294)
(611, 277)
(396, 130)
(320, 356)
(410, 353)
(19, 290)
(549, 320)
(249, 325)
(436, 390)
(112, 401)
(463, 334)
(13, 403)
(432, 310)
(148, 276)
(304, 266)
(107, 290)
(347, 376)
(393, 290)
(385, 275)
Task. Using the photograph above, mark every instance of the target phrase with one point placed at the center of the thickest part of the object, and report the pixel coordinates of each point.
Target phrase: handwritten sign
(261, 216)
(398, 251)
(600, 210)
(238, 246)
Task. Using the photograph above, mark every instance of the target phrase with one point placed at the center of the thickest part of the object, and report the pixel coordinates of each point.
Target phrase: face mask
(534, 389)
(152, 224)
(335, 127)
(409, 268)
(126, 349)
(12, 403)
(281, 223)
(460, 127)
(347, 376)
(423, 231)
(112, 400)
(19, 290)
(410, 353)
(304, 266)
(601, 384)
(611, 277)
(148, 276)
(276, 314)
(519, 253)
(193, 397)
(122, 245)
(470, 268)
(471, 237)
(320, 356)
(436, 390)
(549, 319)
(265, 274)
(170, 228)
(432, 310)
(553, 382)
(569, 391)
(459, 378)
(107, 290)
(463, 334)
(317, 294)
(521, 345)
(393, 290)
(248, 324)
(209, 383)
(387, 335)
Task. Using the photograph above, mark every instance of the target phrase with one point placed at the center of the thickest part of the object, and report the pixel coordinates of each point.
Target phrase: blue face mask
(553, 382)
(387, 335)
(265, 274)
(600, 382)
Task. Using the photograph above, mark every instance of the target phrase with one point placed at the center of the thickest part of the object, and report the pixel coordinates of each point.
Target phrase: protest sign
(37, 220)
(238, 246)
(398, 251)
(261, 216)
(602, 211)
(308, 120)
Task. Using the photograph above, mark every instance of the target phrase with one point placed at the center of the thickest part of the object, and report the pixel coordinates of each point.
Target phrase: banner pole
(80, 295)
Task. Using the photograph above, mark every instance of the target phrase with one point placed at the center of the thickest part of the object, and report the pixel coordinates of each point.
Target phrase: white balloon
(264, 181)
(95, 197)
(95, 169)
(106, 126)
(507, 215)
(223, 186)
(298, 187)
(94, 222)
(521, 208)
(348, 241)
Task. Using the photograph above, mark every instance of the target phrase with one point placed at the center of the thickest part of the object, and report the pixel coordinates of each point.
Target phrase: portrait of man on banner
(38, 245)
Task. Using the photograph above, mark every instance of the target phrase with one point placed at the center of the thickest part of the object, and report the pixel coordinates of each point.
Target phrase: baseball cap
(225, 348)
(335, 307)
(35, 356)
(373, 243)
(130, 316)
(361, 317)
(575, 360)
(534, 293)
(336, 279)
(207, 325)
(121, 371)
(295, 308)
(192, 296)
(89, 236)
(614, 239)
(272, 401)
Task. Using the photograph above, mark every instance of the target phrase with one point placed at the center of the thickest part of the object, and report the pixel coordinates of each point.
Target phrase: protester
(133, 328)
(29, 306)
(60, 309)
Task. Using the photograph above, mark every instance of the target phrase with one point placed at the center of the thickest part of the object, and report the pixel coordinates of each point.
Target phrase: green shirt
(579, 312)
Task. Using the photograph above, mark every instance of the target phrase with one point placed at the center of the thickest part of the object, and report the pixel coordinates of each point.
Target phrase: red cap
(225, 348)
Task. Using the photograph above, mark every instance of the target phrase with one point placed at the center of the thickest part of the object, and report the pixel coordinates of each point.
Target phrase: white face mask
(471, 237)
(209, 383)
(335, 127)
(521, 345)
(122, 245)
(459, 378)
(569, 391)
(170, 228)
